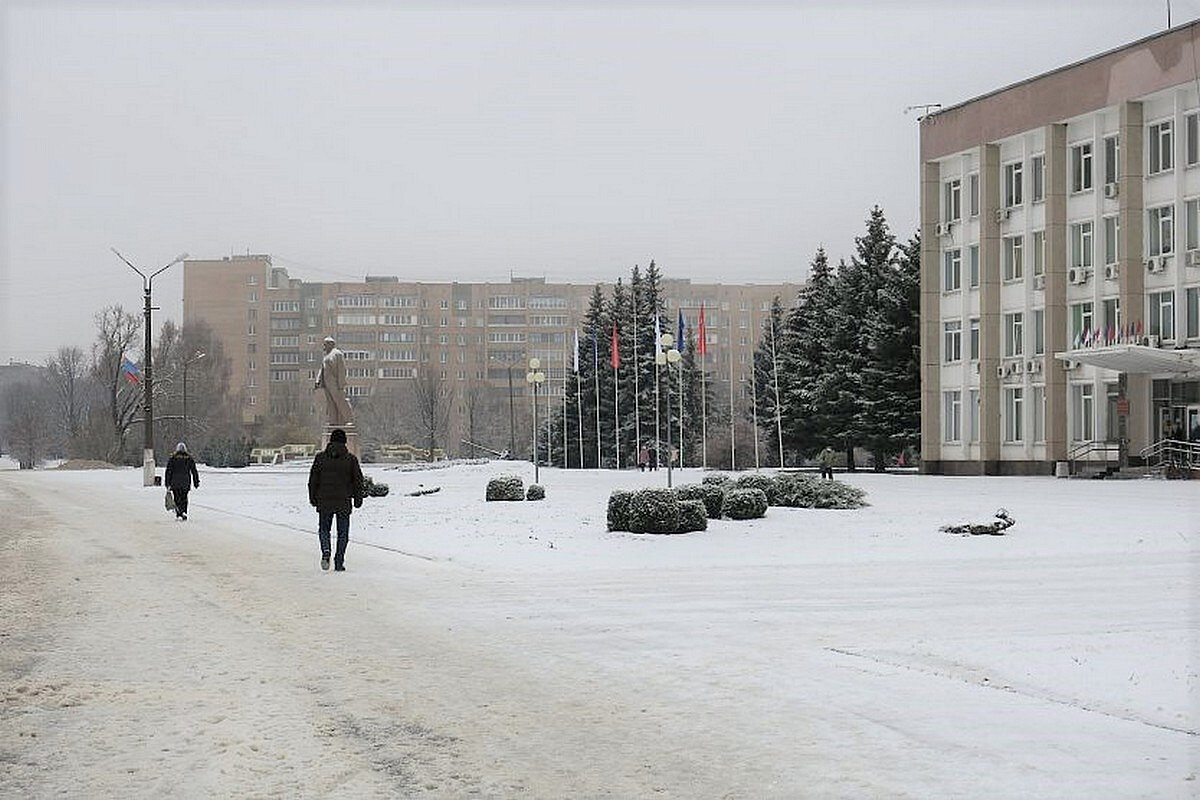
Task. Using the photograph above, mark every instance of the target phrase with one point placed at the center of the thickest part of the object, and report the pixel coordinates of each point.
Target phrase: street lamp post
(148, 371)
(535, 377)
(665, 353)
(187, 362)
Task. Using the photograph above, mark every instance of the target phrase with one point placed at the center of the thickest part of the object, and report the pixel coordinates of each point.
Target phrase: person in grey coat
(334, 483)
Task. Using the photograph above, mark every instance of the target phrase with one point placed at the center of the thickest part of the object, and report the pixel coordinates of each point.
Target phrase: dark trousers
(827, 472)
(180, 496)
(324, 523)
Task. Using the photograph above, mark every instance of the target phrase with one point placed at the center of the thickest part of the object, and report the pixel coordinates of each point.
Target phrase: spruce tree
(766, 356)
(804, 359)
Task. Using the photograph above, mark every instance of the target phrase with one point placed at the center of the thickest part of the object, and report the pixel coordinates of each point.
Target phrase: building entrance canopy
(1136, 359)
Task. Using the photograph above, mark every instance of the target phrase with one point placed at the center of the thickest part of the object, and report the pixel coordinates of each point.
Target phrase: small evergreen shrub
(535, 492)
(693, 516)
(506, 487)
(808, 491)
(765, 483)
(745, 504)
(618, 510)
(653, 511)
(373, 489)
(716, 479)
(711, 494)
(835, 494)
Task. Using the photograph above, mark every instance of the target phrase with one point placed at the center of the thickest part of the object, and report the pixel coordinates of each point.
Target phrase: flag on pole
(680, 342)
(130, 371)
(701, 334)
(575, 361)
(616, 349)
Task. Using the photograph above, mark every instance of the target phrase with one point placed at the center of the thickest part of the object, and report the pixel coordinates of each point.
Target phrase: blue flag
(681, 343)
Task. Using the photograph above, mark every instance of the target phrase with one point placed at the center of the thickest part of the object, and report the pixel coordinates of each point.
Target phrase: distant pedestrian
(181, 474)
(825, 459)
(653, 456)
(334, 482)
(643, 458)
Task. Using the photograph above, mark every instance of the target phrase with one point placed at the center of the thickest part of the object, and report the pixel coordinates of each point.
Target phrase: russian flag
(131, 371)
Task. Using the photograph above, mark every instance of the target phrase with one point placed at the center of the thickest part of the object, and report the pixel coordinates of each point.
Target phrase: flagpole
(596, 381)
(702, 349)
(579, 415)
(657, 401)
(732, 415)
(637, 367)
(680, 344)
(564, 416)
(616, 365)
(754, 394)
(775, 372)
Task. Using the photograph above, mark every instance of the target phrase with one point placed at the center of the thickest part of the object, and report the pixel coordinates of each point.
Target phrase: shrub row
(512, 487)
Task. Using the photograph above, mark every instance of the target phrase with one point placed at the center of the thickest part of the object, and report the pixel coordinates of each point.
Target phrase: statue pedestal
(351, 437)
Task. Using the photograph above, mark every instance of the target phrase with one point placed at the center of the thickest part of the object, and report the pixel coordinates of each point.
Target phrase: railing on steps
(1107, 455)
(1174, 458)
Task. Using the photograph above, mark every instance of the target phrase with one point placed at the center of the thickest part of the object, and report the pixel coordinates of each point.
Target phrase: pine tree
(765, 380)
(804, 359)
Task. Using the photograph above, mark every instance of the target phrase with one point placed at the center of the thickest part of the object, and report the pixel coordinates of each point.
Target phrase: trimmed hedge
(711, 494)
(506, 487)
(618, 510)
(373, 489)
(716, 479)
(745, 504)
(808, 491)
(693, 516)
(756, 480)
(535, 492)
(654, 511)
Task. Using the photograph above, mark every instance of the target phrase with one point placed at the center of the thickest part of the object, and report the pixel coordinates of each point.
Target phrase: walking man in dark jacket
(181, 474)
(335, 481)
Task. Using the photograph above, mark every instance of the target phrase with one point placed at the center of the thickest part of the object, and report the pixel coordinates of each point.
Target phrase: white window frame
(973, 415)
(973, 276)
(1081, 167)
(1038, 322)
(952, 200)
(1160, 230)
(952, 270)
(1160, 147)
(1083, 412)
(1038, 246)
(1014, 184)
(952, 415)
(952, 341)
(1160, 314)
(1112, 158)
(1014, 330)
(1191, 139)
(1037, 178)
(1191, 224)
(1192, 300)
(1112, 239)
(973, 339)
(973, 194)
(1081, 318)
(1014, 410)
(1082, 244)
(1014, 257)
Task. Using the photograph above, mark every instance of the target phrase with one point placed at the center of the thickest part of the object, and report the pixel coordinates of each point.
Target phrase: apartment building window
(973, 339)
(1081, 167)
(1039, 331)
(1013, 184)
(444, 304)
(1037, 399)
(1161, 228)
(973, 266)
(1112, 158)
(1014, 266)
(1014, 325)
(1039, 252)
(973, 194)
(1037, 169)
(952, 270)
(1191, 224)
(251, 329)
(1160, 147)
(951, 415)
(252, 297)
(952, 340)
(252, 314)
(1192, 298)
(1014, 409)
(1111, 307)
(973, 415)
(1083, 404)
(1081, 244)
(1162, 315)
(952, 201)
(252, 280)
(1112, 240)
(1082, 320)
(1191, 139)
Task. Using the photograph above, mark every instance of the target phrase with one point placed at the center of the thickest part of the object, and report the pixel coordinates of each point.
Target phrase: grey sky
(565, 140)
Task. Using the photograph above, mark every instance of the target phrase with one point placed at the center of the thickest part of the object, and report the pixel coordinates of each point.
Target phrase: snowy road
(146, 658)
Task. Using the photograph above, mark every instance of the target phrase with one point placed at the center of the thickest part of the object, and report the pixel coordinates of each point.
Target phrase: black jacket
(181, 471)
(335, 479)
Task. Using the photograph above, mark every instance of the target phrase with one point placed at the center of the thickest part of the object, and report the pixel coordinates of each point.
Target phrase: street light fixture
(187, 362)
(535, 377)
(147, 370)
(666, 353)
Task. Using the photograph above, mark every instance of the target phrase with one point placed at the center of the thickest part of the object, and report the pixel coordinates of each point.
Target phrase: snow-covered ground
(812, 653)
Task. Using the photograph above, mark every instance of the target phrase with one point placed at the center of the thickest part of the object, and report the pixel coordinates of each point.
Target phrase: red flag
(702, 334)
(616, 349)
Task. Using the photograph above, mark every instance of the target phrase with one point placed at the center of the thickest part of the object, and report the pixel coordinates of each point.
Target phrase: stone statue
(332, 378)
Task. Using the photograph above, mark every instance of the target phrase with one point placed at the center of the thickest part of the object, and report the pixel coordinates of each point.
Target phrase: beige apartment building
(474, 336)
(1060, 286)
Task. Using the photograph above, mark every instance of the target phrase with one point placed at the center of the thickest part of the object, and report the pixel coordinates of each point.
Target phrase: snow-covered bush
(618, 510)
(755, 480)
(693, 516)
(535, 492)
(373, 489)
(745, 504)
(654, 511)
(716, 479)
(711, 494)
(807, 491)
(506, 487)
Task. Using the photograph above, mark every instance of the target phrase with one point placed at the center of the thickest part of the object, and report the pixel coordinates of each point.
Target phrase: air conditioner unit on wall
(943, 228)
(1193, 258)
(1111, 190)
(1003, 214)
(1153, 341)
(1016, 367)
(1077, 274)
(1039, 282)
(1000, 371)
(1112, 272)
(1156, 264)
(1071, 365)
(1033, 365)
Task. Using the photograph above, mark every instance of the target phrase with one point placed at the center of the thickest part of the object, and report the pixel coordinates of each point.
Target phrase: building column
(1132, 280)
(991, 330)
(1056, 292)
(931, 320)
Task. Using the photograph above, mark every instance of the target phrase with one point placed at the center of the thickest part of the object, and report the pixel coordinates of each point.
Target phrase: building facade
(477, 338)
(1060, 269)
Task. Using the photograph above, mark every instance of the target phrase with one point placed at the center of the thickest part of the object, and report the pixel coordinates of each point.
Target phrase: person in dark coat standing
(334, 482)
(181, 474)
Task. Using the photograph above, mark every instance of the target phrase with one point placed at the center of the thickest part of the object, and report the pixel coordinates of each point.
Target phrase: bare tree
(28, 421)
(117, 330)
(432, 399)
(67, 372)
(474, 407)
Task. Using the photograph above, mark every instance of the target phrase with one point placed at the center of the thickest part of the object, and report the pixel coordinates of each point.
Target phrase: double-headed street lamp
(666, 353)
(535, 377)
(187, 362)
(147, 371)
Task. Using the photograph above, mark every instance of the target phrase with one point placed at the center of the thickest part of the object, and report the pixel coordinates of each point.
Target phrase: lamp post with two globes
(666, 354)
(535, 378)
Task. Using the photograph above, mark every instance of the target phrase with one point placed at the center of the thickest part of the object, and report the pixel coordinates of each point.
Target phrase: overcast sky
(567, 140)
